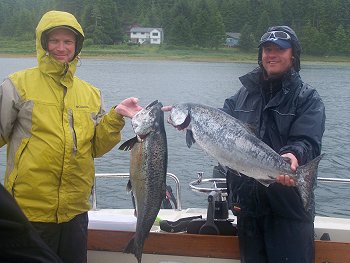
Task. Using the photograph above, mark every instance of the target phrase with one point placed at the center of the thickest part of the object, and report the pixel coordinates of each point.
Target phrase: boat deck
(111, 229)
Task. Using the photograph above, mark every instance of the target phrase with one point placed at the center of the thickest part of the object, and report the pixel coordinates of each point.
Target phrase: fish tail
(131, 248)
(306, 180)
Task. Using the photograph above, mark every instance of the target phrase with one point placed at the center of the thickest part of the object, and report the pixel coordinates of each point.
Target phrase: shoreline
(188, 58)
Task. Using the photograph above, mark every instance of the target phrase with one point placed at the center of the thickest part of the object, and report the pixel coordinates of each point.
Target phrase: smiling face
(276, 61)
(61, 44)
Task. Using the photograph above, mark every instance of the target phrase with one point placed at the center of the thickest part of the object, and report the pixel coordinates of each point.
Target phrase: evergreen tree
(322, 25)
(178, 24)
(180, 33)
(340, 41)
(313, 41)
(247, 40)
(217, 31)
(201, 24)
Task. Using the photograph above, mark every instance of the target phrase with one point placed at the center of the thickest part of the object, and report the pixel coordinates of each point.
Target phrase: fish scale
(232, 144)
(148, 168)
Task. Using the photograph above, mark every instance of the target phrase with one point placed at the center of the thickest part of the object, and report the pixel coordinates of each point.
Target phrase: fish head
(148, 120)
(180, 116)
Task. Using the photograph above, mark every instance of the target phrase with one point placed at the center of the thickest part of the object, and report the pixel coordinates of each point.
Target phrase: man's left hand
(128, 107)
(285, 179)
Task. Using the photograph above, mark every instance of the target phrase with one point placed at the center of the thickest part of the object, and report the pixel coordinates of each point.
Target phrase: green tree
(180, 33)
(247, 40)
(313, 41)
(217, 31)
(100, 20)
(263, 23)
(340, 41)
(201, 24)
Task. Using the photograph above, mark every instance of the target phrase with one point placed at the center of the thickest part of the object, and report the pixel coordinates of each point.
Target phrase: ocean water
(208, 83)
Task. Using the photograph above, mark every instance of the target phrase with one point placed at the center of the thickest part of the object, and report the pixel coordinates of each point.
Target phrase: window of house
(155, 34)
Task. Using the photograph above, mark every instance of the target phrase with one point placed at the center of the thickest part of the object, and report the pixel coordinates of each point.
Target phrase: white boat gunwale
(109, 240)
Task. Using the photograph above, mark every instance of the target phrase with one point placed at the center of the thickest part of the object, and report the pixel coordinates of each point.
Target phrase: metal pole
(333, 180)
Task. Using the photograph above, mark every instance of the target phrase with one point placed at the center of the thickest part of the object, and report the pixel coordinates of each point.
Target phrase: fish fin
(133, 200)
(306, 180)
(127, 146)
(151, 104)
(189, 138)
(128, 186)
(132, 249)
(265, 182)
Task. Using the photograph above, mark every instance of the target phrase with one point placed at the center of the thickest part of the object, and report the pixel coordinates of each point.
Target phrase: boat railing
(333, 180)
(126, 175)
(219, 184)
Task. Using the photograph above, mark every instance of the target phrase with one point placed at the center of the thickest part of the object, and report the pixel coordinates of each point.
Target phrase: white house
(146, 35)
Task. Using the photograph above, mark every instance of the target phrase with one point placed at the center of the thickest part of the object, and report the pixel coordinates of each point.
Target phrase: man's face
(276, 61)
(61, 44)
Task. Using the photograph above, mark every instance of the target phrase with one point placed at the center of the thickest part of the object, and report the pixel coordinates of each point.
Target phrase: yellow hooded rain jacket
(54, 125)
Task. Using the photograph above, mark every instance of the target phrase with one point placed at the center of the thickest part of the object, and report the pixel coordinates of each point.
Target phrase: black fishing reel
(217, 221)
(217, 194)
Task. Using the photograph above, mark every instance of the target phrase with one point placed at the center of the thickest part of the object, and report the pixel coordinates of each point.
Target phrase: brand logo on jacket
(82, 107)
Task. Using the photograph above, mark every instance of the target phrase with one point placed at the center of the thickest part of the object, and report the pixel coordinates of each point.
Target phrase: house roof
(145, 29)
(233, 35)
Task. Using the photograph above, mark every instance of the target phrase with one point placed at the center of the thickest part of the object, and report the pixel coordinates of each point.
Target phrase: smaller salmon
(148, 168)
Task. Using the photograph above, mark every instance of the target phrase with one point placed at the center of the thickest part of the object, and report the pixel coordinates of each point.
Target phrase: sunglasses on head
(273, 35)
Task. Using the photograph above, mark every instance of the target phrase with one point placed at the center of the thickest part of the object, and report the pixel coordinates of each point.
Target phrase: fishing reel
(217, 193)
(217, 221)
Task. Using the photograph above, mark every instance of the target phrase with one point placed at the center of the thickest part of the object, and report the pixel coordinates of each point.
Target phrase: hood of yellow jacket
(48, 64)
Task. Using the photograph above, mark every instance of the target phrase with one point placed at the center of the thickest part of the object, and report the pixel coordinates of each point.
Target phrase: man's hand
(285, 179)
(128, 107)
(167, 108)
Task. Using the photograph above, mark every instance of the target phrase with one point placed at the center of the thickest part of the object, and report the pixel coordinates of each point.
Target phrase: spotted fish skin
(229, 141)
(148, 168)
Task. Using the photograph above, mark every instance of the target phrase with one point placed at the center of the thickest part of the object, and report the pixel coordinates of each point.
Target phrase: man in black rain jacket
(289, 116)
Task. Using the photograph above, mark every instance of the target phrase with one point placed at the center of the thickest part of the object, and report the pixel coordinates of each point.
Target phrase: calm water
(209, 83)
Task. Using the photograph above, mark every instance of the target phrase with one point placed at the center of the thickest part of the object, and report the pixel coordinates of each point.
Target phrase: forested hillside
(323, 26)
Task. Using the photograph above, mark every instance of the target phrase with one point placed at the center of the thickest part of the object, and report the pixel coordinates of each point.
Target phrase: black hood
(295, 45)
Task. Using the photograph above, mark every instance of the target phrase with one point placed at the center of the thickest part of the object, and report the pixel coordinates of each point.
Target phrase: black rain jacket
(293, 120)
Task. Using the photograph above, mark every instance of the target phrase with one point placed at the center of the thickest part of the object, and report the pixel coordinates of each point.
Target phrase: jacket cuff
(115, 118)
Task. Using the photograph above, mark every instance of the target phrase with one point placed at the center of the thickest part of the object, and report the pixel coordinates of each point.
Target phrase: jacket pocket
(83, 130)
(10, 181)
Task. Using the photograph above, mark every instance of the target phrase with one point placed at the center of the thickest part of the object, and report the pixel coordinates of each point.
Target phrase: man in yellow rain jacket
(54, 125)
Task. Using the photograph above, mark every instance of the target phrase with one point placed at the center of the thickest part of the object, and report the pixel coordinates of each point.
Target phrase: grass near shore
(162, 52)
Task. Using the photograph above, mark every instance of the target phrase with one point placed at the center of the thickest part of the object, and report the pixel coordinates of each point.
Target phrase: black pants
(271, 239)
(68, 240)
(19, 242)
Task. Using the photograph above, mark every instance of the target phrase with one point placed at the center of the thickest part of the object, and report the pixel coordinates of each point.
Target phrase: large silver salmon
(148, 168)
(233, 145)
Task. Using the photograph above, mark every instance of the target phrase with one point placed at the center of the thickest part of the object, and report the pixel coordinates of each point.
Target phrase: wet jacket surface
(289, 116)
(54, 125)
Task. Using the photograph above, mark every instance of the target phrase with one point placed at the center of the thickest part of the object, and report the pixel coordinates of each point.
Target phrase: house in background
(143, 35)
(232, 39)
